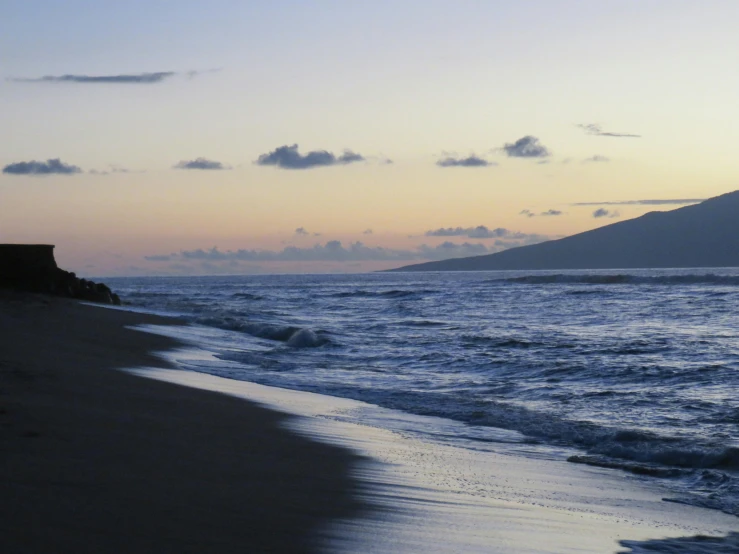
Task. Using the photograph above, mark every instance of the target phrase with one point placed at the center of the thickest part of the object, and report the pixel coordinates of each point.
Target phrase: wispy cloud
(200, 163)
(52, 166)
(120, 78)
(288, 157)
(526, 147)
(597, 130)
(470, 161)
(301, 231)
(596, 158)
(548, 213)
(659, 202)
(112, 169)
(367, 232)
(602, 212)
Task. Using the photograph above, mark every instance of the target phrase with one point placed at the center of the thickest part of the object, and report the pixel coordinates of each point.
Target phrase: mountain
(701, 235)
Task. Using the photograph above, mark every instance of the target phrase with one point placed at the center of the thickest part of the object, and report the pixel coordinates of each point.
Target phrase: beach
(97, 460)
(164, 457)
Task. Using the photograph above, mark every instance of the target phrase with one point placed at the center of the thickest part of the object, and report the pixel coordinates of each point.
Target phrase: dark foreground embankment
(32, 268)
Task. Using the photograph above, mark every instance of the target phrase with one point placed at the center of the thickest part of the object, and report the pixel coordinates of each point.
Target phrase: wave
(631, 467)
(587, 292)
(420, 323)
(296, 337)
(699, 544)
(622, 279)
(497, 342)
(627, 445)
(247, 296)
(396, 293)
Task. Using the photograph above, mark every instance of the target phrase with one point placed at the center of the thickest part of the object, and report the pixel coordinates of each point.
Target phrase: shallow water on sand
(440, 498)
(624, 371)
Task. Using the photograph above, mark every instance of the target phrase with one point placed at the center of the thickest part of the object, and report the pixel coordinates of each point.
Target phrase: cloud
(367, 232)
(470, 161)
(111, 169)
(526, 147)
(660, 202)
(481, 231)
(200, 163)
(288, 157)
(335, 251)
(602, 212)
(123, 78)
(331, 251)
(597, 130)
(50, 167)
(134, 78)
(596, 158)
(301, 231)
(548, 213)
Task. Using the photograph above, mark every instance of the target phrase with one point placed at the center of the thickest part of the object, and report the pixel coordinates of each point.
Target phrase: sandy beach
(165, 459)
(97, 460)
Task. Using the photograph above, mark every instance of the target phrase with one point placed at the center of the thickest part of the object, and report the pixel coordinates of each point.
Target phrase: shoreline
(96, 460)
(437, 497)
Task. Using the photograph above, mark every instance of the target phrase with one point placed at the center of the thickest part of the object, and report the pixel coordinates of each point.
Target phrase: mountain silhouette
(701, 235)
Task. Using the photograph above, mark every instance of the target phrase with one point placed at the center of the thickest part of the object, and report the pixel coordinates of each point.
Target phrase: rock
(32, 267)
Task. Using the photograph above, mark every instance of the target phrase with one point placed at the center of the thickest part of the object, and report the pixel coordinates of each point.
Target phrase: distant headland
(701, 235)
(32, 268)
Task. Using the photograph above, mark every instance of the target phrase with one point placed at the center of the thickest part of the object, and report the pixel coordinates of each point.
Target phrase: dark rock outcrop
(32, 267)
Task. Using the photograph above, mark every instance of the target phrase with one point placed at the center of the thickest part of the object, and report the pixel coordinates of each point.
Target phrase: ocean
(636, 371)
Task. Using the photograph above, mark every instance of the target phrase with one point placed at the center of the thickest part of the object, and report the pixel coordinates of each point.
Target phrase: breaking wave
(296, 337)
(382, 294)
(698, 544)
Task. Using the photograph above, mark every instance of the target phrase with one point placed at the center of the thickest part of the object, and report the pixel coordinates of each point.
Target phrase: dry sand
(97, 460)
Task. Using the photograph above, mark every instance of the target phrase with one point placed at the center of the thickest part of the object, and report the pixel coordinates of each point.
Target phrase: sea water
(632, 370)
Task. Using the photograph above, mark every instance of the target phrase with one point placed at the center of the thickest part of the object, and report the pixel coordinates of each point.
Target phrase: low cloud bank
(332, 250)
(335, 251)
(479, 232)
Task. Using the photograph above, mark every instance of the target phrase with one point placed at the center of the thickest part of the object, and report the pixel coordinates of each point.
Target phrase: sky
(177, 138)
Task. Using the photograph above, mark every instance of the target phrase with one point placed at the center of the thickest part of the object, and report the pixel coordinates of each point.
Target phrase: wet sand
(499, 497)
(97, 460)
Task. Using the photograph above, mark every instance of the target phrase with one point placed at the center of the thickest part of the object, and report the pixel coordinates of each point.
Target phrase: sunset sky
(157, 138)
